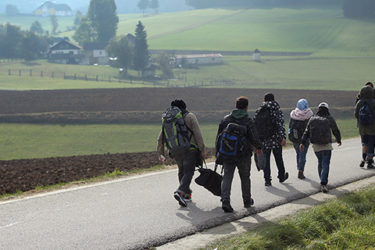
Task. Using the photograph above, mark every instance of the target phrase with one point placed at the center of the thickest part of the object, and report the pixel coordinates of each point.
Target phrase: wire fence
(181, 80)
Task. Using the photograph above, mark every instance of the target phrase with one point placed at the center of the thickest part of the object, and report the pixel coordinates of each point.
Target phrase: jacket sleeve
(356, 112)
(335, 129)
(160, 147)
(193, 125)
(279, 117)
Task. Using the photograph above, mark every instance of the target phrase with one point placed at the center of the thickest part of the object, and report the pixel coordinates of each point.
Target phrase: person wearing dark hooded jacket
(243, 161)
(367, 132)
(275, 138)
(318, 130)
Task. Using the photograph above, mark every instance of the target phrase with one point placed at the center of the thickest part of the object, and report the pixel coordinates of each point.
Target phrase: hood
(239, 113)
(367, 92)
(301, 115)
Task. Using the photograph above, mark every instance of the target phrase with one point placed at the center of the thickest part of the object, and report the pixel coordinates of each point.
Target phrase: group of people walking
(239, 136)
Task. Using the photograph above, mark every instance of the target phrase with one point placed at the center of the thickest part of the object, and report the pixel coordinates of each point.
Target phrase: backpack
(175, 132)
(231, 143)
(365, 116)
(296, 130)
(265, 124)
(320, 130)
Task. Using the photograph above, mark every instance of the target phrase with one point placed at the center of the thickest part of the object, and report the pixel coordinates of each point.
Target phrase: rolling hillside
(323, 32)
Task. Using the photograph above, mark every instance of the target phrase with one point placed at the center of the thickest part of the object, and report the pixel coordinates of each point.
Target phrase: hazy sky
(123, 6)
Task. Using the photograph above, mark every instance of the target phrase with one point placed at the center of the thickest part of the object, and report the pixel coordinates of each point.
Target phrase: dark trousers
(278, 155)
(243, 165)
(324, 158)
(186, 168)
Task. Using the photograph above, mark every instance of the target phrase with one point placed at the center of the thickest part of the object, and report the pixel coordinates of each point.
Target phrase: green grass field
(23, 141)
(323, 32)
(345, 73)
(344, 223)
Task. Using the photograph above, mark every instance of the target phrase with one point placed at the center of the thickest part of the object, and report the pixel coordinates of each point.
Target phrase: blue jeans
(278, 154)
(301, 156)
(369, 141)
(324, 158)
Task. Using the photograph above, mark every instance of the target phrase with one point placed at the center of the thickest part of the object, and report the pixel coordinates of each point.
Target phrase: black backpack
(265, 124)
(320, 130)
(365, 116)
(296, 130)
(175, 132)
(231, 142)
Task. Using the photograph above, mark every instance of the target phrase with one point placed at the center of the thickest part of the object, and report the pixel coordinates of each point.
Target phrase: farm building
(256, 55)
(198, 59)
(49, 9)
(65, 52)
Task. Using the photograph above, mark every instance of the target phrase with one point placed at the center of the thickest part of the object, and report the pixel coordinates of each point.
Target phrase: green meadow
(23, 141)
(344, 223)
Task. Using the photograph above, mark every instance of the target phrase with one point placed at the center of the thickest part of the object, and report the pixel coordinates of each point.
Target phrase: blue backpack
(365, 116)
(231, 142)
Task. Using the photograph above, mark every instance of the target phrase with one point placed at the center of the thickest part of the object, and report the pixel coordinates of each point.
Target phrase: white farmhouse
(198, 59)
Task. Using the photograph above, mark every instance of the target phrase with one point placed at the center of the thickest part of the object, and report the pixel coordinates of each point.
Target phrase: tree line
(361, 9)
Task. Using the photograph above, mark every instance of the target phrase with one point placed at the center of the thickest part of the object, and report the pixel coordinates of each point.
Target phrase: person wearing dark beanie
(186, 161)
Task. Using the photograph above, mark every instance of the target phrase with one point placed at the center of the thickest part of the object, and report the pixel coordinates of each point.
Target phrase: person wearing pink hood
(297, 125)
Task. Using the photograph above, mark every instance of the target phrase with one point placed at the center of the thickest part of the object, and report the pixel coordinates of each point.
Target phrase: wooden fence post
(9, 72)
(19, 72)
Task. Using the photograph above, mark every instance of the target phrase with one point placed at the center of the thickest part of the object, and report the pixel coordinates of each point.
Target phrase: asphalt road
(139, 212)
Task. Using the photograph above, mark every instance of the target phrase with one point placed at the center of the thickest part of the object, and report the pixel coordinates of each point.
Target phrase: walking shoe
(362, 163)
(300, 175)
(286, 176)
(180, 198)
(248, 203)
(324, 188)
(187, 197)
(370, 166)
(227, 207)
(268, 183)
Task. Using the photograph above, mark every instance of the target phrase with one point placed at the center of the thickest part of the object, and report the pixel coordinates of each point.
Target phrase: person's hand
(259, 152)
(203, 155)
(162, 158)
(283, 142)
(301, 147)
(339, 144)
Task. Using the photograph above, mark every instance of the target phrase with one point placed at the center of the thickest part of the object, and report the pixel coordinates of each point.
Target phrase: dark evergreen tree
(85, 34)
(104, 20)
(141, 54)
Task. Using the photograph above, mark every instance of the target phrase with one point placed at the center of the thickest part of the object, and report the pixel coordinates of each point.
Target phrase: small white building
(198, 59)
(257, 55)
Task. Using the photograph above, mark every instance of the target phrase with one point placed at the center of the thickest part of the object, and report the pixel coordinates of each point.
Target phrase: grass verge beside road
(24, 141)
(344, 223)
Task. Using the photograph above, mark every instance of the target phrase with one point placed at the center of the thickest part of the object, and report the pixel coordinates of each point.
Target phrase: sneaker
(227, 207)
(324, 188)
(286, 176)
(180, 198)
(362, 163)
(248, 203)
(268, 183)
(187, 197)
(300, 175)
(370, 166)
